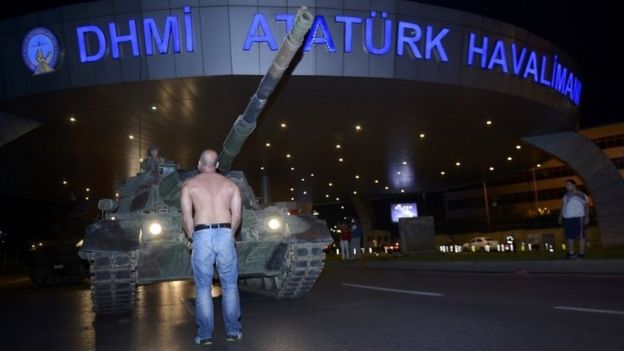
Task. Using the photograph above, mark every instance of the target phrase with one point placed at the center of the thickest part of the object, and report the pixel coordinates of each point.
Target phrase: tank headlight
(274, 224)
(155, 228)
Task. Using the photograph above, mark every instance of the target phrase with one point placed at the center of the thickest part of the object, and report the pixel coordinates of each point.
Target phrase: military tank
(140, 239)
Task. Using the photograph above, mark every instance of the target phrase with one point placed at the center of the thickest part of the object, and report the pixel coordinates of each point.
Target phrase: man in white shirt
(574, 216)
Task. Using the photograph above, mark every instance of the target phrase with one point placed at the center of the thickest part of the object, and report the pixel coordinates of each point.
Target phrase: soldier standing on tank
(152, 161)
(216, 202)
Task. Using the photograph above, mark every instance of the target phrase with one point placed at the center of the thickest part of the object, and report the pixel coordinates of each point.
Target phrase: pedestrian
(211, 212)
(345, 237)
(356, 237)
(574, 216)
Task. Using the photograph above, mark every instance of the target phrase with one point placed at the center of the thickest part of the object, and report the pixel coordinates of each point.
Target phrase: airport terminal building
(387, 97)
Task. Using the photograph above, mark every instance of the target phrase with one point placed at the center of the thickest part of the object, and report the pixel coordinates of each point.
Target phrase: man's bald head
(208, 160)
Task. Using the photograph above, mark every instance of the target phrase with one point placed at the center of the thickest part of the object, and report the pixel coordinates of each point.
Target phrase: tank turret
(140, 239)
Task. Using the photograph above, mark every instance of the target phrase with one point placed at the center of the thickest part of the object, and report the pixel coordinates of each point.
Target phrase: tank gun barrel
(246, 122)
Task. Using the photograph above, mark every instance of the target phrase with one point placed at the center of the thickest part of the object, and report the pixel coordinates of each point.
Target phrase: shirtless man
(217, 204)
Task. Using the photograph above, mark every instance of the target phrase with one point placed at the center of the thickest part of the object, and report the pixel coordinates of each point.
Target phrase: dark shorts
(574, 228)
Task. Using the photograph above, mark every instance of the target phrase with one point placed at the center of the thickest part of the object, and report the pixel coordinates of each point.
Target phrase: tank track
(303, 264)
(113, 281)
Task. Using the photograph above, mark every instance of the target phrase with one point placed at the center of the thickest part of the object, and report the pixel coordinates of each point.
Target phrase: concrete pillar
(600, 176)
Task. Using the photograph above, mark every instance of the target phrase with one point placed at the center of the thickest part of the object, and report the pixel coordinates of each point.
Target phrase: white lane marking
(591, 310)
(412, 292)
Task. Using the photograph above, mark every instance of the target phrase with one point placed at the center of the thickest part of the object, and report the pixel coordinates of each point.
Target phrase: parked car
(481, 243)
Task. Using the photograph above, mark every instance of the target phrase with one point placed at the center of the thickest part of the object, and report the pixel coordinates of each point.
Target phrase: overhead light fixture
(292, 168)
(539, 165)
(292, 189)
(311, 174)
(262, 168)
(404, 163)
(337, 146)
(491, 168)
(488, 122)
(131, 137)
(305, 193)
(268, 144)
(399, 172)
(342, 207)
(509, 158)
(518, 147)
(86, 198)
(72, 119)
(327, 195)
(457, 164)
(354, 192)
(358, 127)
(292, 199)
(88, 189)
(287, 155)
(303, 179)
(357, 176)
(376, 181)
(283, 125)
(64, 182)
(116, 194)
(422, 135)
(340, 159)
(337, 199)
(402, 190)
(442, 173)
(154, 108)
(386, 187)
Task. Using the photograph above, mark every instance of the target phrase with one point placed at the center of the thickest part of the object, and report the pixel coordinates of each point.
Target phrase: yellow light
(331, 184)
(72, 119)
(358, 127)
(340, 159)
(64, 182)
(154, 108)
(292, 168)
(357, 176)
(457, 164)
(488, 122)
(491, 168)
(131, 137)
(337, 199)
(311, 174)
(422, 135)
(274, 224)
(262, 168)
(305, 193)
(539, 165)
(88, 189)
(509, 158)
(442, 173)
(116, 194)
(287, 155)
(354, 192)
(268, 144)
(155, 228)
(292, 199)
(303, 179)
(376, 181)
(283, 125)
(518, 147)
(292, 189)
(86, 198)
(327, 195)
(337, 146)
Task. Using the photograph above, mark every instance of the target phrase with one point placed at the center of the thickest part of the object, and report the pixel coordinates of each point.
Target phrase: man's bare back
(215, 198)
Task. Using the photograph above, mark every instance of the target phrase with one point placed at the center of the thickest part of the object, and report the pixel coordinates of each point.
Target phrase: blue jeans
(210, 246)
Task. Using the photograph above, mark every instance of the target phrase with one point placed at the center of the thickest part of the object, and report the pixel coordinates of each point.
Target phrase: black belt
(212, 226)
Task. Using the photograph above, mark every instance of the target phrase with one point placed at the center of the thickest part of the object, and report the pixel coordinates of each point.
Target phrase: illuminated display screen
(403, 210)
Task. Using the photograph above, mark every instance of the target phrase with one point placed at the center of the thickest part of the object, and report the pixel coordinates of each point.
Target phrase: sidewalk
(586, 266)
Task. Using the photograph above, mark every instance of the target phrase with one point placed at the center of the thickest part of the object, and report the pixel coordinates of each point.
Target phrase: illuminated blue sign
(40, 51)
(170, 37)
(507, 58)
(525, 64)
(381, 36)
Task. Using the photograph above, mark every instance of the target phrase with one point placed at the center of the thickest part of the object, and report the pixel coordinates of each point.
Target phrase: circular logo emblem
(40, 51)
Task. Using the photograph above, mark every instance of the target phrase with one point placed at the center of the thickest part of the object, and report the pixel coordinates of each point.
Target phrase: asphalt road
(348, 309)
